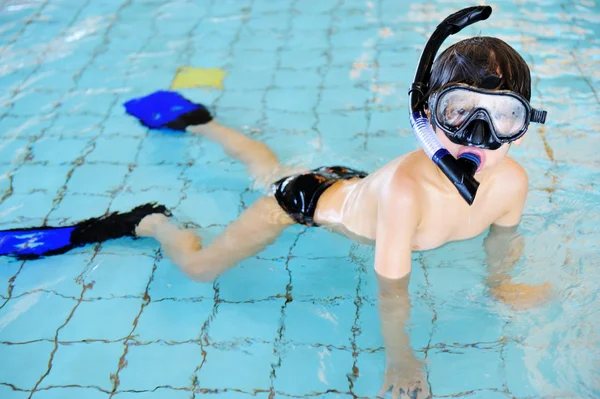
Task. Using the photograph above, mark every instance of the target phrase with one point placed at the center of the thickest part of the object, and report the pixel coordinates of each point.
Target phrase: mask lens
(508, 113)
(454, 107)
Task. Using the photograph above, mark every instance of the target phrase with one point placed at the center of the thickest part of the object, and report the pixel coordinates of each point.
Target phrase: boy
(399, 206)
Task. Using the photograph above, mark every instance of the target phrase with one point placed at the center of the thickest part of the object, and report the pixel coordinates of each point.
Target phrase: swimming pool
(321, 82)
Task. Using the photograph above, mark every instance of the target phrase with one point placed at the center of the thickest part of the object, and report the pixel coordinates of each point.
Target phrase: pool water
(321, 82)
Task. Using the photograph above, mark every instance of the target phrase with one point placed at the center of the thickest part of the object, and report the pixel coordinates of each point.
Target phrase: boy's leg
(261, 161)
(258, 226)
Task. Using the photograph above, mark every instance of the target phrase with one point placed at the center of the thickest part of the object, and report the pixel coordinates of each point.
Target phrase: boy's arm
(503, 244)
(504, 247)
(398, 216)
(397, 221)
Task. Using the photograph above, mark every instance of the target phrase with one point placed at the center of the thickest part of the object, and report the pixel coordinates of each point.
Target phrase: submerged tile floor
(321, 82)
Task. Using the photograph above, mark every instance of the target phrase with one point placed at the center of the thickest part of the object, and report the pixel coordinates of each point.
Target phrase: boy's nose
(478, 132)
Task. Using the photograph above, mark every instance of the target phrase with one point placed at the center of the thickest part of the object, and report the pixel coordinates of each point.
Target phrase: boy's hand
(406, 378)
(521, 296)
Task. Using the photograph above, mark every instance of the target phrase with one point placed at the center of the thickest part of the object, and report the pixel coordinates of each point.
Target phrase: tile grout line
(279, 342)
(84, 288)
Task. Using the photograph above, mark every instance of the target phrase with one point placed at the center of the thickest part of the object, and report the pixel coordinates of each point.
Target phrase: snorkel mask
(468, 116)
(482, 118)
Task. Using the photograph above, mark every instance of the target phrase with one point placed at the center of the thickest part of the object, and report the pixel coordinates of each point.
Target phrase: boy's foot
(147, 225)
(173, 239)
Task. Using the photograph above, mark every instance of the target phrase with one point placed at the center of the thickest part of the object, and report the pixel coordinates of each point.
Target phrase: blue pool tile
(146, 177)
(481, 365)
(57, 274)
(151, 366)
(85, 364)
(130, 246)
(13, 150)
(323, 278)
(292, 100)
(243, 79)
(34, 102)
(77, 207)
(4, 181)
(216, 207)
(44, 150)
(315, 9)
(53, 79)
(320, 323)
(8, 269)
(312, 22)
(116, 149)
(70, 393)
(215, 176)
(254, 279)
(82, 126)
(387, 122)
(28, 363)
(26, 179)
(281, 123)
(519, 379)
(321, 369)
(246, 367)
(108, 319)
(301, 59)
(126, 201)
(99, 78)
(161, 149)
(456, 284)
(9, 393)
(257, 320)
(118, 275)
(83, 101)
(97, 179)
(263, 39)
(34, 205)
(309, 39)
(173, 321)
(343, 125)
(34, 316)
(299, 150)
(371, 368)
(369, 326)
(275, 21)
(230, 394)
(250, 99)
(341, 99)
(123, 124)
(320, 243)
(467, 325)
(258, 60)
(211, 56)
(160, 393)
(170, 282)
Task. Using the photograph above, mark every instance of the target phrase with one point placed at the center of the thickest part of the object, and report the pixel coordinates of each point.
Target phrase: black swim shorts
(298, 195)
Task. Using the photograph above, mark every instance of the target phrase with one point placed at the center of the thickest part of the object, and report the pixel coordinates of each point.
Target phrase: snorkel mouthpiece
(460, 173)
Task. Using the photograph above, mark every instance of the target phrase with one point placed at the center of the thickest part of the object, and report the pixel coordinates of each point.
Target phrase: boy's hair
(473, 61)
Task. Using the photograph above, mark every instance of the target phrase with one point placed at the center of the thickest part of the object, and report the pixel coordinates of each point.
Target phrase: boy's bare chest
(454, 221)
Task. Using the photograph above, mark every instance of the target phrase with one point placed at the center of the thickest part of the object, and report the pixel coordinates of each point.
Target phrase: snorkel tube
(461, 171)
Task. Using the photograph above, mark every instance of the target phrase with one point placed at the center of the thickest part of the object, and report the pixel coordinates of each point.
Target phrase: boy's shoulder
(510, 186)
(511, 174)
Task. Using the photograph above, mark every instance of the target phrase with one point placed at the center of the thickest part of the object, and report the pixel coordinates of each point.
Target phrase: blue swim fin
(36, 242)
